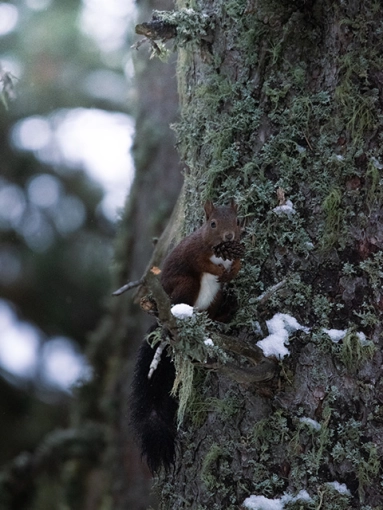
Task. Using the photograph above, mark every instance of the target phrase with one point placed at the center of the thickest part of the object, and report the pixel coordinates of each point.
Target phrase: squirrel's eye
(213, 224)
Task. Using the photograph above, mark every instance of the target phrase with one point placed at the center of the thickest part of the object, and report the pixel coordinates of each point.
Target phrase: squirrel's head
(222, 223)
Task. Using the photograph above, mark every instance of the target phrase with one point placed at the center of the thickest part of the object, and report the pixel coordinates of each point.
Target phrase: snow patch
(311, 423)
(209, 342)
(362, 339)
(262, 503)
(286, 208)
(377, 164)
(302, 495)
(338, 334)
(340, 487)
(182, 311)
(280, 326)
(335, 334)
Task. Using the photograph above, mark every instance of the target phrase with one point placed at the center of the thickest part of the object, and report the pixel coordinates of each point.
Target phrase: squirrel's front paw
(225, 276)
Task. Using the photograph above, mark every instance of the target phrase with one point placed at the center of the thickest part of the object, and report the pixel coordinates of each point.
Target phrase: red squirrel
(195, 270)
(193, 273)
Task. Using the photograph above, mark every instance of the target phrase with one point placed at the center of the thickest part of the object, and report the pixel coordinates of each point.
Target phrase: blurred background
(65, 171)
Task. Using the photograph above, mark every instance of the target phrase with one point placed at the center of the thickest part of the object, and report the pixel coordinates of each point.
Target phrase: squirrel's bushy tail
(153, 409)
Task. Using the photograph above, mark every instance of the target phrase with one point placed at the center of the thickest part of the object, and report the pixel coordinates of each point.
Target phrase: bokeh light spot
(32, 134)
(9, 16)
(44, 190)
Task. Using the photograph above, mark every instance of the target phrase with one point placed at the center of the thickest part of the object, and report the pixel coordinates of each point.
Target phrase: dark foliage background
(60, 449)
(53, 276)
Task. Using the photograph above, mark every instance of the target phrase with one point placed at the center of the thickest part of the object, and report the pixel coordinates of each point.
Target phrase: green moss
(191, 25)
(334, 218)
(329, 497)
(363, 457)
(273, 430)
(190, 348)
(197, 404)
(374, 194)
(367, 315)
(372, 268)
(207, 475)
(226, 407)
(322, 307)
(355, 350)
(367, 467)
(359, 110)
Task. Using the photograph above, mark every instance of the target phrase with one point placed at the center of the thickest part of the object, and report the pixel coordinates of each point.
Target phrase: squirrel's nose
(229, 236)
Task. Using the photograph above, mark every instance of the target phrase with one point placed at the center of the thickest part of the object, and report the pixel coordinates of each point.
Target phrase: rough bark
(281, 102)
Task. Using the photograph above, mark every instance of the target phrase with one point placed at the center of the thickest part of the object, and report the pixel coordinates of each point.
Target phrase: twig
(270, 291)
(156, 358)
(238, 346)
(157, 29)
(165, 317)
(265, 371)
(128, 286)
(307, 140)
(139, 43)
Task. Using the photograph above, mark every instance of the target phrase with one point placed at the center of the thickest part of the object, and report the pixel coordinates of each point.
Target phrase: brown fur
(185, 265)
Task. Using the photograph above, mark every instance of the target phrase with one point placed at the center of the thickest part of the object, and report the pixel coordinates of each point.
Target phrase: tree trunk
(281, 109)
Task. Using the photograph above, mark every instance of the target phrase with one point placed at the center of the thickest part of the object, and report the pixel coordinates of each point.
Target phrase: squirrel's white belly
(210, 285)
(208, 290)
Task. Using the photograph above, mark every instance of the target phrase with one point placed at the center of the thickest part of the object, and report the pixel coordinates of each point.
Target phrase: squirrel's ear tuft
(233, 205)
(209, 208)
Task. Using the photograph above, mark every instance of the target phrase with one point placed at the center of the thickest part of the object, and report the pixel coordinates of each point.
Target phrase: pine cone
(229, 250)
